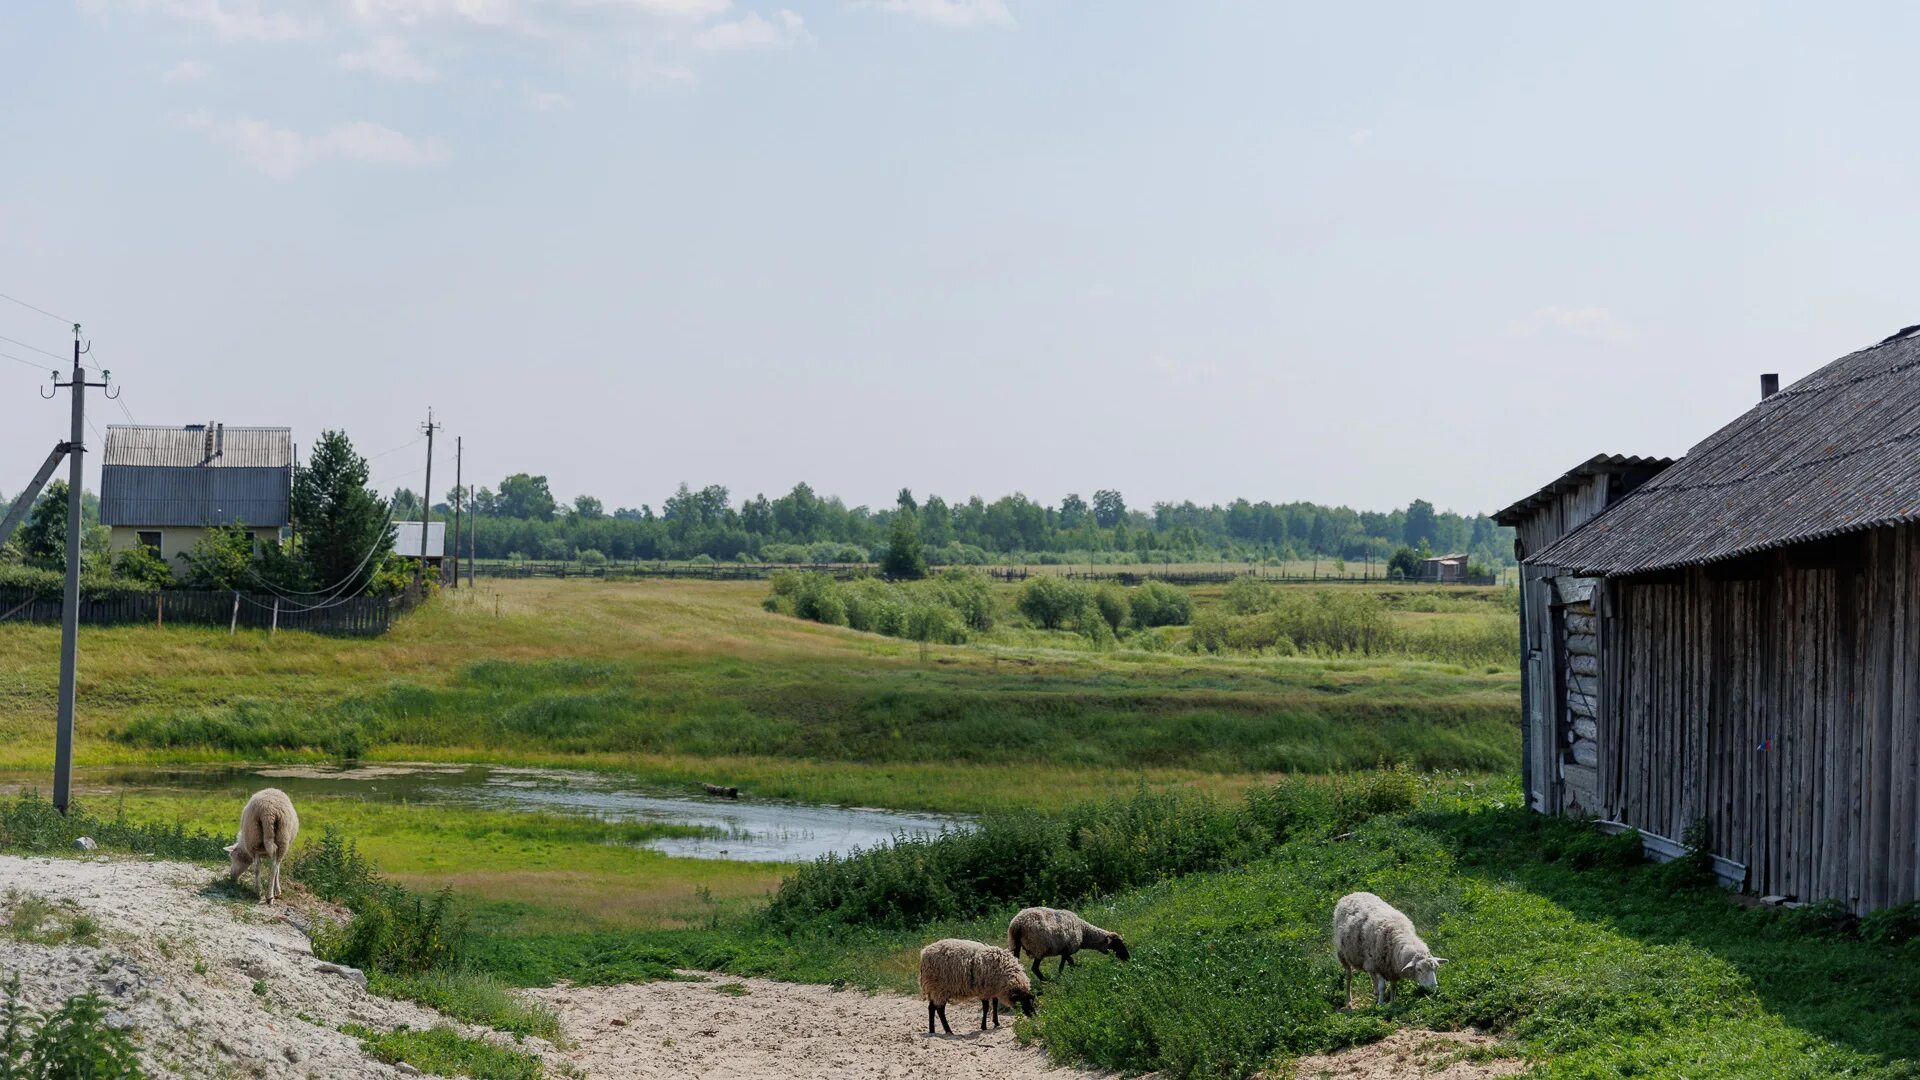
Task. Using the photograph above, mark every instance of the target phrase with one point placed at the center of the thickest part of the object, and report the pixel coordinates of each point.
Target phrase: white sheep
(953, 969)
(1045, 931)
(1373, 936)
(267, 828)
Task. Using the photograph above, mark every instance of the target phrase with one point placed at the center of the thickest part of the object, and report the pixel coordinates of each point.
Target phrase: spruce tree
(344, 530)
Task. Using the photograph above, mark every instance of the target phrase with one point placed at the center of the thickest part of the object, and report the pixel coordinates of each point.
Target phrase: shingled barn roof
(1836, 452)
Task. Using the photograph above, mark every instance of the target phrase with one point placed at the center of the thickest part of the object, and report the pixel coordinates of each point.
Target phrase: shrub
(393, 930)
(1247, 596)
(141, 565)
(73, 1041)
(591, 557)
(30, 823)
(1158, 604)
(1111, 601)
(442, 1051)
(1896, 925)
(1051, 602)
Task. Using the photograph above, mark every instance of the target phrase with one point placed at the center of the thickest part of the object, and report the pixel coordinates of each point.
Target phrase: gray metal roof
(213, 446)
(1836, 452)
(1626, 465)
(198, 475)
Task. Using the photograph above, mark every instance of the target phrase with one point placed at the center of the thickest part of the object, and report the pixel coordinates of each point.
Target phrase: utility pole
(459, 497)
(426, 502)
(473, 523)
(70, 607)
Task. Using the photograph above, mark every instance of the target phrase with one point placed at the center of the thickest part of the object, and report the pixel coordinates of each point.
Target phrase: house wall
(175, 540)
(1778, 700)
(1543, 687)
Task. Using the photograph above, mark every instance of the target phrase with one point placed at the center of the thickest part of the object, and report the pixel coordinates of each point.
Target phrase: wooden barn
(1734, 637)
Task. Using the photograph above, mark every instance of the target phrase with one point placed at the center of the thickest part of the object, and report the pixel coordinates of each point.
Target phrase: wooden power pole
(459, 497)
(426, 503)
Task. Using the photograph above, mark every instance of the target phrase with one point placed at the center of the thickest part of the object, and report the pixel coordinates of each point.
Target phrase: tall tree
(904, 501)
(1421, 526)
(345, 533)
(904, 558)
(44, 537)
(588, 508)
(525, 497)
(1109, 509)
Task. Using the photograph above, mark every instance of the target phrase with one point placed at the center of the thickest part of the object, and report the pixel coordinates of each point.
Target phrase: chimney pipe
(1769, 386)
(220, 440)
(207, 454)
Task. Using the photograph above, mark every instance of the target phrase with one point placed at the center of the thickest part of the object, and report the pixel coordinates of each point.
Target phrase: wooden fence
(1224, 577)
(844, 571)
(716, 572)
(360, 616)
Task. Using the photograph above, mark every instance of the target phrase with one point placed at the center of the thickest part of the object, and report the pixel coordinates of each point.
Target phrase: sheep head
(1021, 998)
(1118, 947)
(1424, 970)
(238, 859)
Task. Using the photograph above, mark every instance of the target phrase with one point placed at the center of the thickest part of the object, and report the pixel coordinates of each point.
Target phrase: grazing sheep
(952, 969)
(1373, 936)
(267, 828)
(719, 792)
(1044, 932)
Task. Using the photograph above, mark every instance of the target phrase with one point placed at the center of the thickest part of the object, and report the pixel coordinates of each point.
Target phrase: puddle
(746, 829)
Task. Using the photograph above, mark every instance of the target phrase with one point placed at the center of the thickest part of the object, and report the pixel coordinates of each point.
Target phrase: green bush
(442, 1051)
(393, 930)
(29, 822)
(1247, 596)
(141, 565)
(1158, 604)
(1052, 602)
(941, 610)
(1111, 601)
(72, 1042)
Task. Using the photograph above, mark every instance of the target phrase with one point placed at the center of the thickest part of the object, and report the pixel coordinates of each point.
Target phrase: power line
(35, 348)
(41, 310)
(37, 365)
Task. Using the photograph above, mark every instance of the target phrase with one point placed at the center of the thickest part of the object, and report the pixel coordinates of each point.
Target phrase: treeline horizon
(522, 518)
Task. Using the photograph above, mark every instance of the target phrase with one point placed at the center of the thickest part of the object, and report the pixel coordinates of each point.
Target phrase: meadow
(1211, 806)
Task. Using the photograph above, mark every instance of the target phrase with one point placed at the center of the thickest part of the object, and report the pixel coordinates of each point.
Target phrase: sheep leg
(256, 878)
(983, 1013)
(944, 1026)
(930, 1015)
(1036, 970)
(1349, 994)
(1379, 990)
(1062, 969)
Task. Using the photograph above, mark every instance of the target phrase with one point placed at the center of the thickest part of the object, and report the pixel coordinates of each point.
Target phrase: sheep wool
(1373, 936)
(953, 969)
(268, 826)
(1042, 932)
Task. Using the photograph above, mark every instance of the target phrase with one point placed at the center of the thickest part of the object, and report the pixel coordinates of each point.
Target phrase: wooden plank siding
(1779, 701)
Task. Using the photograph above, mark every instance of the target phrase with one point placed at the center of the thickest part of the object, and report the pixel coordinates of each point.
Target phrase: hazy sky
(1353, 253)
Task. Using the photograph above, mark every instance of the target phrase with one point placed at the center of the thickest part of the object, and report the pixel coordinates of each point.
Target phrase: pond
(746, 829)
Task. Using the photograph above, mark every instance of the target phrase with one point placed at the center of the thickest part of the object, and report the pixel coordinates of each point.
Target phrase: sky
(1346, 253)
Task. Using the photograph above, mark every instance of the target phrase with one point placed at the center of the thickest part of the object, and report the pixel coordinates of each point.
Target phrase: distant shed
(1734, 638)
(406, 540)
(1449, 567)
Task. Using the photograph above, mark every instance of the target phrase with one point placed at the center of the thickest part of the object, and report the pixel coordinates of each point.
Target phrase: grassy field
(685, 681)
(1205, 806)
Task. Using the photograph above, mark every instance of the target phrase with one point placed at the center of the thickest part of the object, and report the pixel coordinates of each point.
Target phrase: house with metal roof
(407, 540)
(164, 487)
(1730, 642)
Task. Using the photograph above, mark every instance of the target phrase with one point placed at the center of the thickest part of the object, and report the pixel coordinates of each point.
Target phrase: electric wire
(34, 348)
(31, 307)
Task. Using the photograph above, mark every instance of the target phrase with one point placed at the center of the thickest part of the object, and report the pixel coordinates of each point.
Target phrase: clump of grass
(475, 997)
(29, 822)
(36, 919)
(445, 1052)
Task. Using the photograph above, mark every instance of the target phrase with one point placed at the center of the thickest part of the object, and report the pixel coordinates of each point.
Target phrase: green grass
(442, 1051)
(693, 680)
(472, 996)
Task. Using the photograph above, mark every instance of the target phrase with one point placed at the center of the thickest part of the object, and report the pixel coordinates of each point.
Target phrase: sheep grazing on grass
(1043, 931)
(956, 970)
(1373, 936)
(267, 828)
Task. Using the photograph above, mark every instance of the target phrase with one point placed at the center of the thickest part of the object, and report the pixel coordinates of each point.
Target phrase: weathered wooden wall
(1542, 683)
(1778, 699)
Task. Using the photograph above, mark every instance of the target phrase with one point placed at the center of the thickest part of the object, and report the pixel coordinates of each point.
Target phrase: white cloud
(1360, 137)
(957, 13)
(753, 32)
(185, 71)
(1595, 324)
(390, 57)
(280, 152)
(646, 73)
(548, 101)
(231, 20)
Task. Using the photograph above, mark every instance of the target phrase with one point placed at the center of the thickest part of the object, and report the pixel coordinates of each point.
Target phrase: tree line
(522, 518)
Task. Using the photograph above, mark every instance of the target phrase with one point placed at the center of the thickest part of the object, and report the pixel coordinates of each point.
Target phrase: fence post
(160, 609)
(234, 624)
(275, 628)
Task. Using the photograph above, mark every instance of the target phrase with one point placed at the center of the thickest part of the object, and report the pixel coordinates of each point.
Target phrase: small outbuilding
(1449, 567)
(164, 487)
(1732, 640)
(407, 544)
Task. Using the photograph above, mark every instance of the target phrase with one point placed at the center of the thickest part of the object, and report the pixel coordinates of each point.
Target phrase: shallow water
(747, 829)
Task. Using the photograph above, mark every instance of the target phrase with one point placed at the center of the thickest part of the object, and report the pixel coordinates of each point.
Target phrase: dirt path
(763, 1030)
(212, 985)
